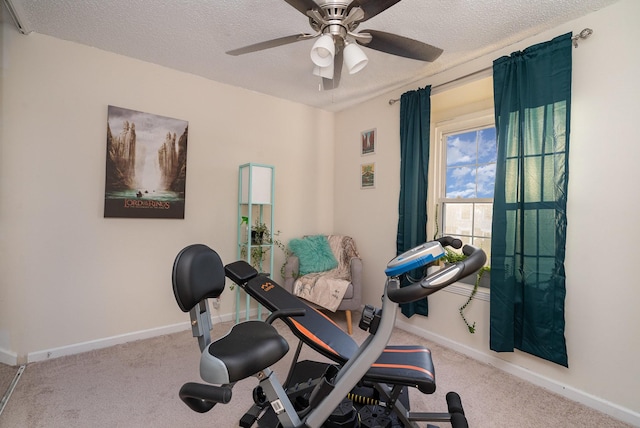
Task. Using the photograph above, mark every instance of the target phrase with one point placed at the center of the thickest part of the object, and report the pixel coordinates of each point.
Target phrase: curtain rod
(457, 79)
(584, 34)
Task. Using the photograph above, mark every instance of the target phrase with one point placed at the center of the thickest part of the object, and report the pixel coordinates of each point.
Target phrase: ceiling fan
(334, 23)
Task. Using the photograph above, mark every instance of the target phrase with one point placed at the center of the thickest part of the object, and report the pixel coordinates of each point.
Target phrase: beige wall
(69, 275)
(602, 321)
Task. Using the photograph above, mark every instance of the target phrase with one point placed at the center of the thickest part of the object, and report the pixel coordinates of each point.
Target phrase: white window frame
(468, 122)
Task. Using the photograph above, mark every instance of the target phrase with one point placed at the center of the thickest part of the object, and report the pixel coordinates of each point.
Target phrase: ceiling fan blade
(328, 84)
(270, 44)
(372, 7)
(401, 46)
(303, 5)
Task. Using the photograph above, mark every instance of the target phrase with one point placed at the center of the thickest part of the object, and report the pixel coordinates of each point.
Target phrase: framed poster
(367, 175)
(368, 142)
(146, 165)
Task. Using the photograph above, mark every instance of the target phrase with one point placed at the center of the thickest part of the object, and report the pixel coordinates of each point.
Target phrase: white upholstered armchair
(336, 289)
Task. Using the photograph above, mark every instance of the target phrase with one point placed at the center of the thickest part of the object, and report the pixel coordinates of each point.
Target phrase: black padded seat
(248, 348)
(405, 365)
(399, 365)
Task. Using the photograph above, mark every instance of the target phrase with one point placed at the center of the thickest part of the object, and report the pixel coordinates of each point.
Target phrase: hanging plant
(451, 256)
(472, 327)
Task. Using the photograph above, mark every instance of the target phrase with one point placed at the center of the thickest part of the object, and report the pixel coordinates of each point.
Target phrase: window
(467, 152)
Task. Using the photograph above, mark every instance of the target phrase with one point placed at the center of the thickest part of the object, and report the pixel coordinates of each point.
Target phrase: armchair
(348, 274)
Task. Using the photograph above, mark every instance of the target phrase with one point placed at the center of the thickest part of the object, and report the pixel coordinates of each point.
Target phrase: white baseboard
(106, 342)
(9, 358)
(589, 400)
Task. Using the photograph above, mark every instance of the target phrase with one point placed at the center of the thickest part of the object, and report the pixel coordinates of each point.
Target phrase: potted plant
(261, 241)
(260, 234)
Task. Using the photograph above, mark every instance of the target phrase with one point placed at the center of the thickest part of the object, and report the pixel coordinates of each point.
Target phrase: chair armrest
(356, 278)
(291, 269)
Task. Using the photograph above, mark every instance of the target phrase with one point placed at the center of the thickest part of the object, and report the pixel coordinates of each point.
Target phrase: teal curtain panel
(415, 117)
(532, 91)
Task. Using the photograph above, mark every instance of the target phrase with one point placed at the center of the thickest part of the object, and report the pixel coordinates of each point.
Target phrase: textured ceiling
(193, 35)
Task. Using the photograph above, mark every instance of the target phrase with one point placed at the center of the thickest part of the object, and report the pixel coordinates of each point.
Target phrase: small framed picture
(368, 142)
(367, 175)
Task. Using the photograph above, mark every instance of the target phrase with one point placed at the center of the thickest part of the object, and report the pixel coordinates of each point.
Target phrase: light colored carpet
(136, 385)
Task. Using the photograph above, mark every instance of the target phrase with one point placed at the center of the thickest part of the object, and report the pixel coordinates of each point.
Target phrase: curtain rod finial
(584, 34)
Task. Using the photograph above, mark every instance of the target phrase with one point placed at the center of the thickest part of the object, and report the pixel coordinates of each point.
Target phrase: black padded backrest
(198, 274)
(315, 329)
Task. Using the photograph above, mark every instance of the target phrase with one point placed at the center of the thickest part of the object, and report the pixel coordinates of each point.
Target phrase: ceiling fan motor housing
(335, 12)
(334, 9)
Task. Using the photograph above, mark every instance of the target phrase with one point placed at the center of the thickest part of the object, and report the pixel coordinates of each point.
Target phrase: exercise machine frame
(198, 275)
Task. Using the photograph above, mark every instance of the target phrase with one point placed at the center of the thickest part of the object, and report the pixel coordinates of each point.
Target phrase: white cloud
(460, 151)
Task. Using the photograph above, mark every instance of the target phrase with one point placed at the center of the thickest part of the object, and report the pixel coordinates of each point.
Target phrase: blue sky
(471, 167)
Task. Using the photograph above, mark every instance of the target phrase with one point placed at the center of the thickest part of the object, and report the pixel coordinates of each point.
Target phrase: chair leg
(349, 327)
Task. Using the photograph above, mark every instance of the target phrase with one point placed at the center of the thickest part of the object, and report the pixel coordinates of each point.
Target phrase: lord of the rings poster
(146, 165)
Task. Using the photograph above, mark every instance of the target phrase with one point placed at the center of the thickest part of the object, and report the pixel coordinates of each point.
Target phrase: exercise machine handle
(285, 313)
(476, 258)
(201, 398)
(450, 241)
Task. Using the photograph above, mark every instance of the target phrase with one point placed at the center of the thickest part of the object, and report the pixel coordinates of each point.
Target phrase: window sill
(465, 289)
(485, 281)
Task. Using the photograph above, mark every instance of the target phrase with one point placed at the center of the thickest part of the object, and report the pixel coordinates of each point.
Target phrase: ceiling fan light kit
(323, 51)
(354, 58)
(325, 72)
(334, 23)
